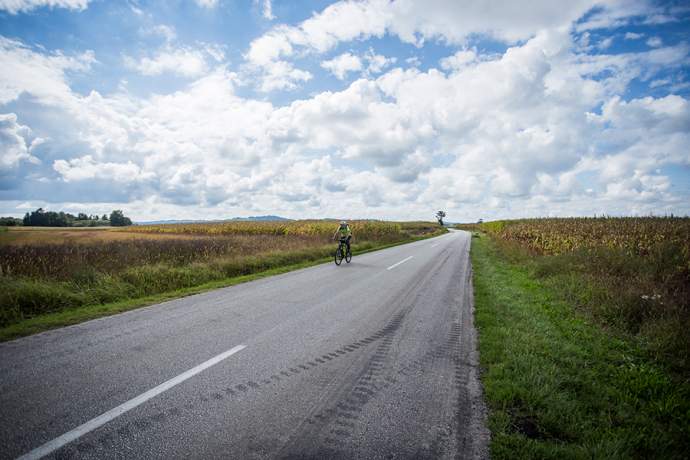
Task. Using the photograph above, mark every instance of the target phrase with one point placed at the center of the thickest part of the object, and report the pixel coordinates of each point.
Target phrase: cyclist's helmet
(343, 223)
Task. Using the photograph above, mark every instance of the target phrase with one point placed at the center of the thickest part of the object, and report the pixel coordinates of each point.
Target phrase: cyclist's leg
(347, 241)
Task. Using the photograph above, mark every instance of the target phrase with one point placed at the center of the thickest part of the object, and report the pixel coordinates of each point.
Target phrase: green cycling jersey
(343, 232)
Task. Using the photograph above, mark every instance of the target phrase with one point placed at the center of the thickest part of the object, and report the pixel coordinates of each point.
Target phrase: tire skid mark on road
(332, 428)
(150, 421)
(334, 424)
(339, 421)
(343, 415)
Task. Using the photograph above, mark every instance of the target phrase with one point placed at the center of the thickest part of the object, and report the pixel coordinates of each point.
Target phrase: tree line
(43, 218)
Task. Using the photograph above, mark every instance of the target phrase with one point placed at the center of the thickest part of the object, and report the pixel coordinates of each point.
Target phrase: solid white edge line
(401, 262)
(102, 419)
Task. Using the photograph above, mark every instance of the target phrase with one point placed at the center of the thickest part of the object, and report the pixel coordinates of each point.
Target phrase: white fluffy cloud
(266, 9)
(184, 61)
(655, 42)
(371, 63)
(14, 144)
(341, 65)
(376, 63)
(414, 22)
(541, 128)
(87, 168)
(39, 74)
(17, 6)
(459, 60)
(633, 36)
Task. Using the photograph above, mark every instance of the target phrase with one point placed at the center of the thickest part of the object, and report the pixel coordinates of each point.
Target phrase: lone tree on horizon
(118, 219)
(440, 215)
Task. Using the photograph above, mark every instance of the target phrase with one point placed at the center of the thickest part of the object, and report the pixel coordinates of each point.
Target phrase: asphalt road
(373, 359)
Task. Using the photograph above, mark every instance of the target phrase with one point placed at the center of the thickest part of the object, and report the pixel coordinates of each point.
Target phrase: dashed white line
(401, 262)
(102, 419)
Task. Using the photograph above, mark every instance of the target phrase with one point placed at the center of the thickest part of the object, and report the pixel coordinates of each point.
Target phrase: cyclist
(345, 233)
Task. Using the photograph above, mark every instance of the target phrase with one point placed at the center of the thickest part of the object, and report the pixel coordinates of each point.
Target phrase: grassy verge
(254, 268)
(558, 386)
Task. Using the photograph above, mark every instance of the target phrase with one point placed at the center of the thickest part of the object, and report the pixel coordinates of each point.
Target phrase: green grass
(558, 386)
(93, 295)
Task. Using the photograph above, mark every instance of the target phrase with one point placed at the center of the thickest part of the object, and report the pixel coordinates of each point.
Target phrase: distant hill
(255, 218)
(234, 219)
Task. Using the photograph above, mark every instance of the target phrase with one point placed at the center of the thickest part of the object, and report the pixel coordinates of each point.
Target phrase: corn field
(631, 273)
(364, 230)
(208, 241)
(638, 235)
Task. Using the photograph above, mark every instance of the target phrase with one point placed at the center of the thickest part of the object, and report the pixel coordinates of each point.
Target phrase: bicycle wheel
(338, 255)
(348, 256)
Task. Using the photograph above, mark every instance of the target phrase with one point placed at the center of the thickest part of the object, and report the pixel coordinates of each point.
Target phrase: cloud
(86, 167)
(210, 4)
(633, 36)
(341, 65)
(605, 43)
(376, 63)
(654, 42)
(184, 61)
(542, 125)
(43, 75)
(14, 145)
(459, 60)
(281, 75)
(415, 22)
(369, 63)
(619, 13)
(266, 9)
(161, 30)
(23, 6)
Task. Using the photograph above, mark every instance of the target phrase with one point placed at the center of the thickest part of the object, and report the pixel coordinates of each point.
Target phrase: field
(628, 274)
(44, 271)
(583, 329)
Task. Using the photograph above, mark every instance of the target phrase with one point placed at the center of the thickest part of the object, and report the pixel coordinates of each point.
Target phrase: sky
(210, 109)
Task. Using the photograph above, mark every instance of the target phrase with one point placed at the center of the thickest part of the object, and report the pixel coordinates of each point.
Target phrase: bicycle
(342, 253)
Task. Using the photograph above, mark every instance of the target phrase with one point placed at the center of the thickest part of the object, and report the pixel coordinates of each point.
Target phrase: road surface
(373, 359)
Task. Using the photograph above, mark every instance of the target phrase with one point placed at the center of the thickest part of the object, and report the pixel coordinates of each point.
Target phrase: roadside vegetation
(583, 336)
(45, 272)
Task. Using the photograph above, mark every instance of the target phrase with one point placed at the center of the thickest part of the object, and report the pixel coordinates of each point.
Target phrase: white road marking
(401, 262)
(102, 419)
(435, 244)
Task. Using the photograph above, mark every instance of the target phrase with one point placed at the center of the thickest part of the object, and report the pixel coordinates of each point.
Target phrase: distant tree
(439, 216)
(10, 221)
(118, 219)
(42, 218)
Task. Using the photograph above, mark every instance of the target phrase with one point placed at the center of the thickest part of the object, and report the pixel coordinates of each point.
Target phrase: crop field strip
(56, 270)
(631, 274)
(560, 235)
